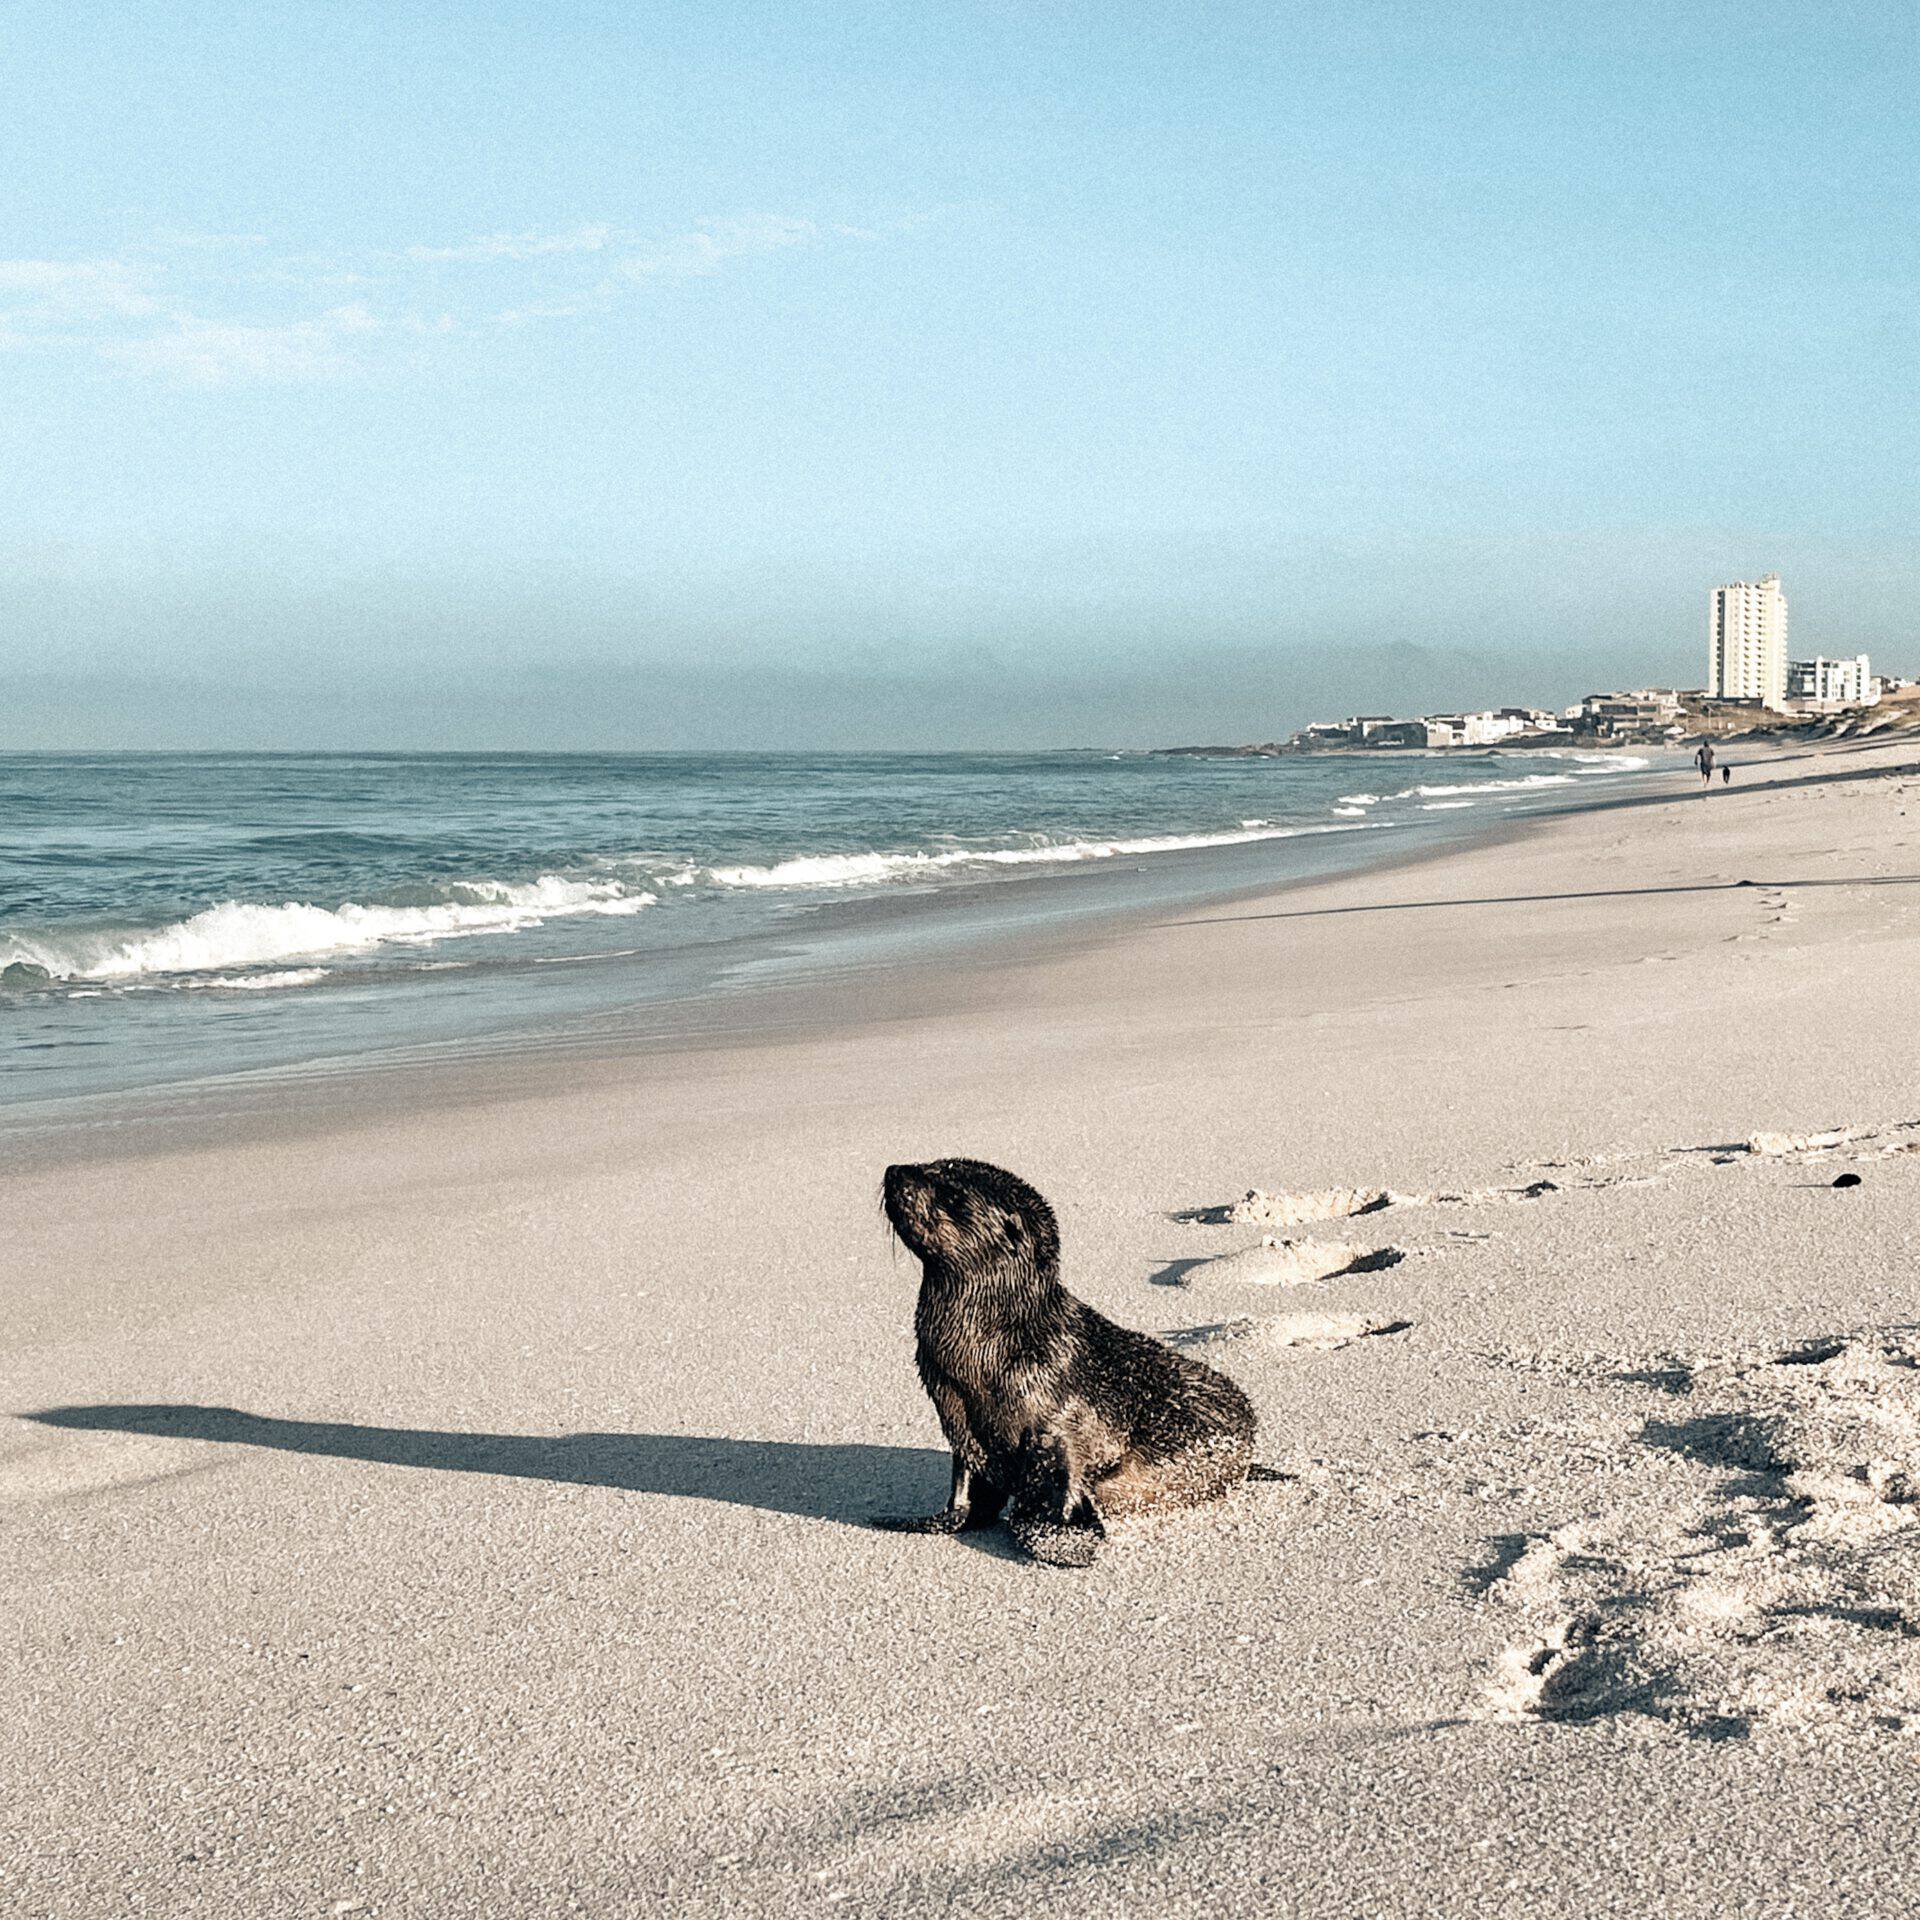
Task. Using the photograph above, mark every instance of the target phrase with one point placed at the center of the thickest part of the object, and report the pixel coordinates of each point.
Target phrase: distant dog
(1055, 1415)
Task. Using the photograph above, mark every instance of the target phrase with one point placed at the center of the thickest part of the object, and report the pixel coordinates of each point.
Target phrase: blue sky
(933, 375)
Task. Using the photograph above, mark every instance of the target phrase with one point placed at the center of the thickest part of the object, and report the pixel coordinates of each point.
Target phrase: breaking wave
(246, 946)
(865, 869)
(1598, 762)
(238, 933)
(354, 899)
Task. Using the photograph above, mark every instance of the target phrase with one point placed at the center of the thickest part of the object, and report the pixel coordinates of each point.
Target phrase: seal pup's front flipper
(975, 1502)
(1049, 1514)
(951, 1521)
(1057, 1543)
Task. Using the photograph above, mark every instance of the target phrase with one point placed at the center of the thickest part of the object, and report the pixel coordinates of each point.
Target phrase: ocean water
(167, 917)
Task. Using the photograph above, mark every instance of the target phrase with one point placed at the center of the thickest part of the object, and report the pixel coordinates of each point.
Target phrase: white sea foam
(1444, 806)
(865, 869)
(239, 933)
(1490, 786)
(1600, 762)
(1614, 762)
(265, 982)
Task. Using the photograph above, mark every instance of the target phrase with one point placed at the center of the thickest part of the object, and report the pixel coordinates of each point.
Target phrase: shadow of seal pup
(1056, 1416)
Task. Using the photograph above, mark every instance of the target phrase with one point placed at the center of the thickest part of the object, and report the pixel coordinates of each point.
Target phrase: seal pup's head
(969, 1219)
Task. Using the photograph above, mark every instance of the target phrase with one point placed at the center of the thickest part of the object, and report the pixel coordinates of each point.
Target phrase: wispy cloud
(702, 249)
(67, 293)
(205, 310)
(710, 246)
(517, 246)
(594, 300)
(211, 353)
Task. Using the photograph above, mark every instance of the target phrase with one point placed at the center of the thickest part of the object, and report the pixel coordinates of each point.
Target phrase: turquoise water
(167, 916)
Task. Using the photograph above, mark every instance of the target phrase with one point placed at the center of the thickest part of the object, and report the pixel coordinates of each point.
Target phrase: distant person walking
(1703, 759)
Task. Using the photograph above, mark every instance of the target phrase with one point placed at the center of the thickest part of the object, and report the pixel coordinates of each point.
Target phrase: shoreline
(882, 955)
(352, 954)
(1006, 929)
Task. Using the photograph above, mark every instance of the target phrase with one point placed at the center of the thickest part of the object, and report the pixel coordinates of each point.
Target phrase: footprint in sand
(1293, 1263)
(1303, 1209)
(1879, 1141)
(1780, 913)
(1259, 1208)
(1317, 1332)
(1486, 1196)
(1776, 1146)
(1893, 1137)
(1757, 1569)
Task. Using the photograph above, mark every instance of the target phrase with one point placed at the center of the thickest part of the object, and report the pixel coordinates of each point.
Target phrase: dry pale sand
(456, 1509)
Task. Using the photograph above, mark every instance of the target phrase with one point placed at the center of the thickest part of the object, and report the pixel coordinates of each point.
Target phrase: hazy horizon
(860, 378)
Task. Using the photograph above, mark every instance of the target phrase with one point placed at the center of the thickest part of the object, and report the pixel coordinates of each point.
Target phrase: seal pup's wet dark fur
(1055, 1414)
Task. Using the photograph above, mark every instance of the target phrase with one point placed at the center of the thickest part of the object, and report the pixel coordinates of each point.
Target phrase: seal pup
(1056, 1415)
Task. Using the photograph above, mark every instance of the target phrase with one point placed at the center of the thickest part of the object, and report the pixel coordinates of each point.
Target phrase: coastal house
(1641, 713)
(1487, 728)
(1505, 723)
(1821, 685)
(1490, 726)
(1528, 719)
(1398, 733)
(1360, 729)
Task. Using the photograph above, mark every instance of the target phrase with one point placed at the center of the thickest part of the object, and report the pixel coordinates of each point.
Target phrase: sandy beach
(453, 1502)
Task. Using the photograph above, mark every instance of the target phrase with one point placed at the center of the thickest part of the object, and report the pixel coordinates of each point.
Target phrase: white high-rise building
(1747, 642)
